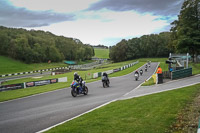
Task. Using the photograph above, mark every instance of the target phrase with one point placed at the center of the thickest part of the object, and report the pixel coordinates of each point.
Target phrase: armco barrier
(182, 73)
(99, 74)
(37, 71)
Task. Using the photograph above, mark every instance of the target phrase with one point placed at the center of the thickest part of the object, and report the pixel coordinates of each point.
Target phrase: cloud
(122, 25)
(21, 17)
(157, 7)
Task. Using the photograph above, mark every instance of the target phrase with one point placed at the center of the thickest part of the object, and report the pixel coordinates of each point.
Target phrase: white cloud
(104, 25)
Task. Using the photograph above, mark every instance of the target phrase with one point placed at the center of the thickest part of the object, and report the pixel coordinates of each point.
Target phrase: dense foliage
(186, 30)
(39, 46)
(154, 45)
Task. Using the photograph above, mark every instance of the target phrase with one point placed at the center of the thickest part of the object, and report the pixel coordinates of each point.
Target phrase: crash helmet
(75, 73)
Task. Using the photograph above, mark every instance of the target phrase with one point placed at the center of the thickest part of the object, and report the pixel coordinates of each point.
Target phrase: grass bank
(153, 114)
(9, 65)
(101, 53)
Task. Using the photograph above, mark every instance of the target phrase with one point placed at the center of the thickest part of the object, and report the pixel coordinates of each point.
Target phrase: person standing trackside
(159, 70)
(159, 75)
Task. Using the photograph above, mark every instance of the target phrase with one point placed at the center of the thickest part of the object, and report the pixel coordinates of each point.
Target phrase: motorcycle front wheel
(74, 92)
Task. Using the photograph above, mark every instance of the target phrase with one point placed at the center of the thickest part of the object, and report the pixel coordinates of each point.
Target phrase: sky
(93, 22)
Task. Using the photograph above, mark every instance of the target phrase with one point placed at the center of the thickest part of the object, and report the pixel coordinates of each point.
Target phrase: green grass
(9, 95)
(101, 53)
(9, 65)
(195, 68)
(148, 114)
(149, 82)
(162, 64)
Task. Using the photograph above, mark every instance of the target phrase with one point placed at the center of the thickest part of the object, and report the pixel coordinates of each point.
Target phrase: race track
(35, 113)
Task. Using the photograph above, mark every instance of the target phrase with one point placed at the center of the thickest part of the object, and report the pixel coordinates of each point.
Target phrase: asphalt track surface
(35, 113)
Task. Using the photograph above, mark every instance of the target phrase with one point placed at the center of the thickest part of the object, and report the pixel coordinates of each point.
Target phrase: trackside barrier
(99, 74)
(31, 84)
(95, 75)
(37, 71)
(181, 73)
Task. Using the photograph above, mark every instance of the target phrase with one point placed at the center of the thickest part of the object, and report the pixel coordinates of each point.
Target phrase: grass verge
(149, 82)
(148, 114)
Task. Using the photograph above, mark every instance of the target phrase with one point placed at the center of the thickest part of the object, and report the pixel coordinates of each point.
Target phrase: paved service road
(175, 84)
(38, 112)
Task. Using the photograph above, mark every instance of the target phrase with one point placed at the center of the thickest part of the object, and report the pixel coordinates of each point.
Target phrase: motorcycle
(141, 72)
(77, 89)
(105, 81)
(136, 76)
(145, 69)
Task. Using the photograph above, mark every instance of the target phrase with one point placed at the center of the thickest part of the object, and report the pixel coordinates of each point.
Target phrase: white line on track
(76, 116)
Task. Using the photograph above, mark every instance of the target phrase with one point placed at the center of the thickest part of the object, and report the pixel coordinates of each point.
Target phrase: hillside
(8, 65)
(101, 53)
(31, 46)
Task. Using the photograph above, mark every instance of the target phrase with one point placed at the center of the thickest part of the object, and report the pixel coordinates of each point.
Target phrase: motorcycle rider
(106, 75)
(146, 67)
(79, 80)
(136, 75)
(141, 71)
(136, 72)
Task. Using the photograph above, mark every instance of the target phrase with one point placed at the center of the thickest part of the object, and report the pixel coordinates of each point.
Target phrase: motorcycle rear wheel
(108, 84)
(85, 91)
(104, 84)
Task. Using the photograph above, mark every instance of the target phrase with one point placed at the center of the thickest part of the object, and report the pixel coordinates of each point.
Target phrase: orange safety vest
(159, 71)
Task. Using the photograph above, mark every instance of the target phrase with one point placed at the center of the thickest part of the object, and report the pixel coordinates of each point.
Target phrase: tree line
(184, 37)
(39, 46)
(154, 45)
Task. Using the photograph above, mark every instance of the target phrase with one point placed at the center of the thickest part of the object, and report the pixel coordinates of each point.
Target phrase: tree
(39, 46)
(118, 53)
(186, 30)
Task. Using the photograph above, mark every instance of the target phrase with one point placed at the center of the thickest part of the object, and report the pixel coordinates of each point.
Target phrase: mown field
(8, 65)
(101, 53)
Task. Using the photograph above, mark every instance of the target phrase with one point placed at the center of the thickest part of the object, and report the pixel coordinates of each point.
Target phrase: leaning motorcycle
(105, 81)
(141, 72)
(77, 89)
(136, 76)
